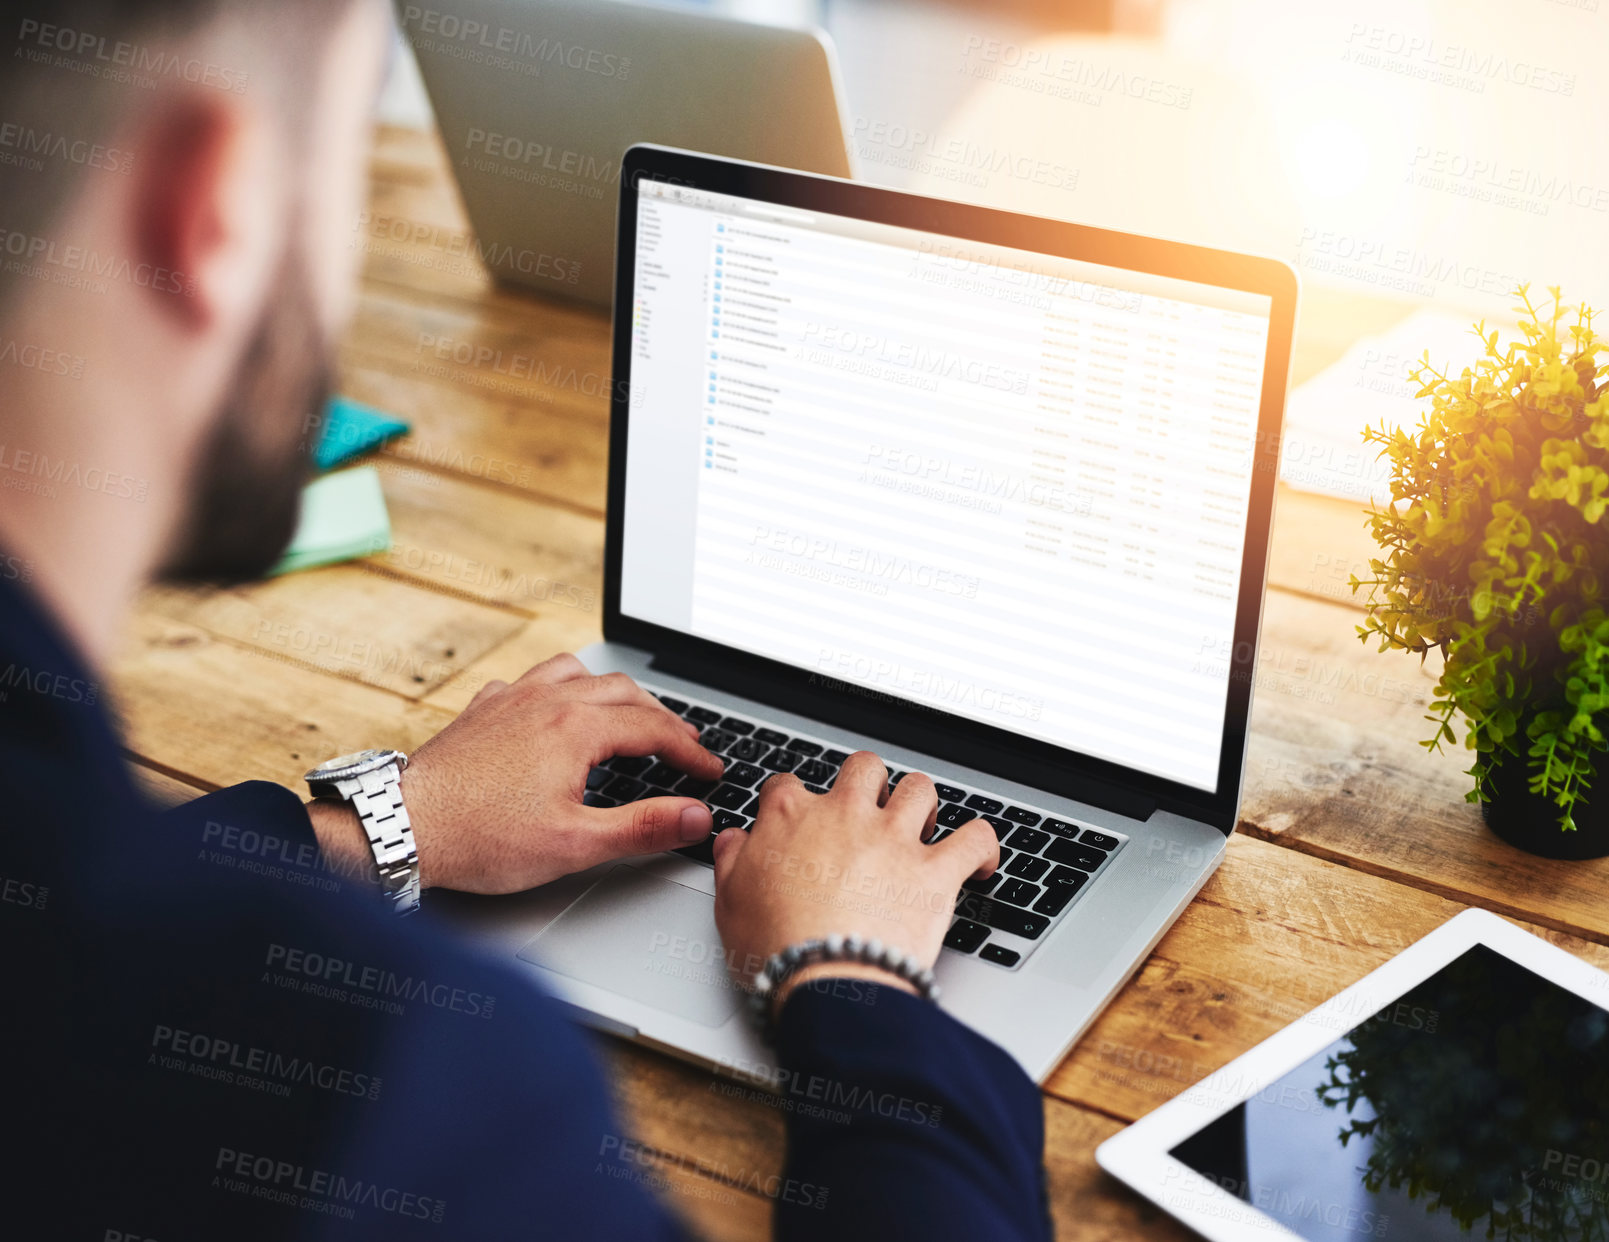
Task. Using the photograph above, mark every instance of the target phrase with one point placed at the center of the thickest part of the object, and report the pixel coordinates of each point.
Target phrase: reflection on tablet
(1477, 1105)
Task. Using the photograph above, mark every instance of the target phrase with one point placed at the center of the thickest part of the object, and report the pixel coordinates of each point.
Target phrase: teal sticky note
(350, 429)
(343, 517)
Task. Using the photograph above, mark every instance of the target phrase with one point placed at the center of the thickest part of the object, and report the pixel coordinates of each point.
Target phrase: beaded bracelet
(780, 967)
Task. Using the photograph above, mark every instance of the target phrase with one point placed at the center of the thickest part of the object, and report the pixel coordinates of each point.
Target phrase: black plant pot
(1530, 822)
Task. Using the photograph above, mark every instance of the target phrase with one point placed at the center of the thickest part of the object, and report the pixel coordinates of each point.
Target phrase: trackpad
(646, 938)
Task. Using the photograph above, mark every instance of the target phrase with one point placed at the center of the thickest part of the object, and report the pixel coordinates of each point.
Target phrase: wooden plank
(1334, 768)
(1086, 1204)
(1273, 935)
(215, 713)
(556, 630)
(1318, 544)
(540, 450)
(524, 353)
(380, 630)
(491, 545)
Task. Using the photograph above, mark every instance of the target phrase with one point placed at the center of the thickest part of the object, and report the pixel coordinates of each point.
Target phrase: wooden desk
(1353, 843)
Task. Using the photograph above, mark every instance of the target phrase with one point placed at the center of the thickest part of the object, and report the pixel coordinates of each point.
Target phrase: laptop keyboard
(1047, 862)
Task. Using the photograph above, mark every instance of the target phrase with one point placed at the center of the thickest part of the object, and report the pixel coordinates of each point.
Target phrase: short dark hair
(75, 69)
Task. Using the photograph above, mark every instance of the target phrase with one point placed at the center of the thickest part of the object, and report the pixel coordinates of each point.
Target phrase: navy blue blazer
(209, 1034)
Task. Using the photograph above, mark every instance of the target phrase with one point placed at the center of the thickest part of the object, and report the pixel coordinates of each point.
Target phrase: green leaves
(1496, 547)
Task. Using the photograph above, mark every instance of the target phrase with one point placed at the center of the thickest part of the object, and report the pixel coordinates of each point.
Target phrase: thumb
(653, 825)
(727, 847)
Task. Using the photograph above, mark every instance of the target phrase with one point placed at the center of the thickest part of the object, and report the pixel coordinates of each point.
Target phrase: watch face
(353, 764)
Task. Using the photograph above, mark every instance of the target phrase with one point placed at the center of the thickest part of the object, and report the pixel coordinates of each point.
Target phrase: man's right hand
(850, 861)
(496, 797)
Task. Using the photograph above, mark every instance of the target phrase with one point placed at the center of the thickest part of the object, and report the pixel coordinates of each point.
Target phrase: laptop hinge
(822, 703)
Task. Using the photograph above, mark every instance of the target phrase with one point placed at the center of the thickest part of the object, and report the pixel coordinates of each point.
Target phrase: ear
(209, 209)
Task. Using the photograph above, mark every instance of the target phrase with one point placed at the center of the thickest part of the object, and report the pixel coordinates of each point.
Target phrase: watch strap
(377, 798)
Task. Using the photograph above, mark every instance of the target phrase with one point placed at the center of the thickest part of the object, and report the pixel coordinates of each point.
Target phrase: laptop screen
(1004, 485)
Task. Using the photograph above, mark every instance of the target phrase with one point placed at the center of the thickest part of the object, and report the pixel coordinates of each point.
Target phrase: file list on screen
(1003, 485)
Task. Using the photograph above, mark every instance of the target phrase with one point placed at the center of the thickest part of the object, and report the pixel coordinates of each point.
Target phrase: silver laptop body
(537, 101)
(986, 494)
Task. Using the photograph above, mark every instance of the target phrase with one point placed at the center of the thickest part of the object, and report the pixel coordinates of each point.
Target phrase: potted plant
(1497, 557)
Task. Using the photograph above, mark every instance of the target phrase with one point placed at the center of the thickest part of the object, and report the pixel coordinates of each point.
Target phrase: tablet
(1460, 1091)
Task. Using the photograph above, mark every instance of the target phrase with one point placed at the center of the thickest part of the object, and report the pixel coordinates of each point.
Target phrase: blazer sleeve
(902, 1122)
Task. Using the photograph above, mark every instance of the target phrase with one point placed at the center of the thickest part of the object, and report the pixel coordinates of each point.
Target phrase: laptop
(986, 494)
(537, 100)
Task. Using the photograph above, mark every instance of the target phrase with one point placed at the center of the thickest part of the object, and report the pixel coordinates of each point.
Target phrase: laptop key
(1021, 815)
(1075, 855)
(1027, 867)
(950, 793)
(953, 816)
(731, 797)
(1067, 877)
(663, 775)
(816, 789)
(813, 772)
(694, 787)
(802, 747)
(987, 806)
(1018, 892)
(728, 819)
(1000, 955)
(598, 778)
(625, 788)
(895, 777)
(964, 936)
(781, 761)
(1061, 828)
(745, 774)
(1030, 839)
(1001, 826)
(976, 885)
(771, 737)
(834, 757)
(747, 749)
(716, 740)
(702, 715)
(1056, 898)
(631, 765)
(1098, 839)
(733, 725)
(1001, 917)
(675, 705)
(592, 798)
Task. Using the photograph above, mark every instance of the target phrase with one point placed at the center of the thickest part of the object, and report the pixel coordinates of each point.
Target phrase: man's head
(179, 181)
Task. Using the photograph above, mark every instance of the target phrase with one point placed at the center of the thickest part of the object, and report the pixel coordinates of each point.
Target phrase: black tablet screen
(1475, 1107)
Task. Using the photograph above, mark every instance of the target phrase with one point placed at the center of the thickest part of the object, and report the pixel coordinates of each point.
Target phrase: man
(198, 1051)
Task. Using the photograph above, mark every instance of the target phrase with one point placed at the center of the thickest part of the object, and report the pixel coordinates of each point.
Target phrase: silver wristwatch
(371, 781)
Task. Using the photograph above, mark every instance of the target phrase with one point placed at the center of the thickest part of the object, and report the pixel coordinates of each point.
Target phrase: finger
(648, 731)
(727, 847)
(647, 827)
(862, 778)
(916, 802)
(613, 688)
(971, 850)
(562, 667)
(492, 687)
(618, 689)
(774, 789)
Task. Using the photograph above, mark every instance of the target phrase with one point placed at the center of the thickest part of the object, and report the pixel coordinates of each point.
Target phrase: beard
(245, 494)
